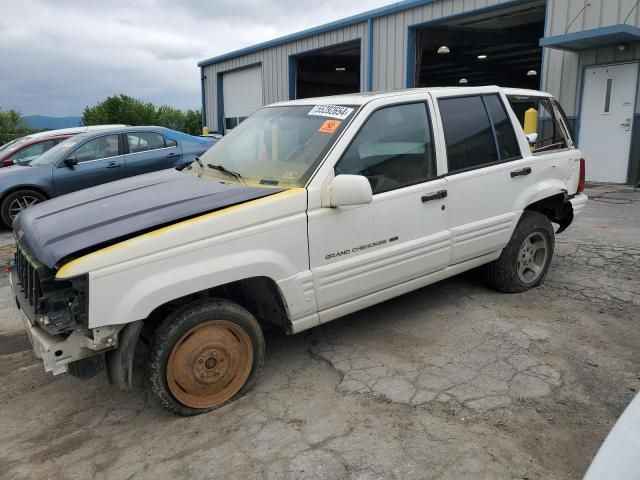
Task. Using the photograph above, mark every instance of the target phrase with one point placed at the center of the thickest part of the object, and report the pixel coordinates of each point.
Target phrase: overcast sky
(56, 57)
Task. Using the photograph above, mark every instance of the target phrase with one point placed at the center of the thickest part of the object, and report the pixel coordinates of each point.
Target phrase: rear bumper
(578, 203)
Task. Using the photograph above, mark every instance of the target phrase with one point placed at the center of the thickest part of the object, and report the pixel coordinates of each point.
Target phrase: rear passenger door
(402, 234)
(486, 173)
(150, 151)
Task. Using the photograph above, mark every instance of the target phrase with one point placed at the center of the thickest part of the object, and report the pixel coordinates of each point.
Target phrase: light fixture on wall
(463, 81)
(532, 73)
(482, 57)
(443, 49)
(340, 69)
(621, 47)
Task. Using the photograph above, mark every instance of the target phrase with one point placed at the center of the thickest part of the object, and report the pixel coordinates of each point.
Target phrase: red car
(28, 148)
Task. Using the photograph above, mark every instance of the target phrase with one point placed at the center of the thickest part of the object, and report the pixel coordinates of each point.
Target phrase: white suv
(308, 211)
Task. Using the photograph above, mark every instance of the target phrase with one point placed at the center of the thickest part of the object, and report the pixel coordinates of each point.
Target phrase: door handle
(434, 196)
(172, 154)
(521, 173)
(113, 165)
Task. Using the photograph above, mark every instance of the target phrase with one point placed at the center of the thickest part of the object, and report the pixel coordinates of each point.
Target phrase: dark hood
(99, 216)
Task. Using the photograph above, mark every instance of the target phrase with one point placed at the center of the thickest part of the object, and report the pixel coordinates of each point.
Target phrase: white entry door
(606, 120)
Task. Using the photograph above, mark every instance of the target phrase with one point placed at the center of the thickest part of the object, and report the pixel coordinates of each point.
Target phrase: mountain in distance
(44, 122)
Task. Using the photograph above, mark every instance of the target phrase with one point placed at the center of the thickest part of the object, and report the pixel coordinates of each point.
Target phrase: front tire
(16, 202)
(205, 355)
(524, 262)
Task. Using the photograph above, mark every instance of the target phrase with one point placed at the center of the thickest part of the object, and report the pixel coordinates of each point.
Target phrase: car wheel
(205, 355)
(16, 202)
(525, 260)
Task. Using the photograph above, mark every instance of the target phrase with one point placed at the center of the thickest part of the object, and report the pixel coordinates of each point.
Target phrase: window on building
(101, 147)
(467, 132)
(144, 141)
(393, 149)
(552, 128)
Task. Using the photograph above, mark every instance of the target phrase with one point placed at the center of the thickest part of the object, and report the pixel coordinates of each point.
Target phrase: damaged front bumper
(58, 351)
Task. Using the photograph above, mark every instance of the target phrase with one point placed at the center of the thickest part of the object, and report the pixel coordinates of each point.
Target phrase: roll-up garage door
(242, 95)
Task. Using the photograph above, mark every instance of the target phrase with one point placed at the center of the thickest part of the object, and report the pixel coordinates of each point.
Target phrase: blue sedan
(94, 158)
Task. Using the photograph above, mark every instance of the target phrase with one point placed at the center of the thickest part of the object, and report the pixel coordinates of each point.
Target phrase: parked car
(309, 210)
(93, 158)
(30, 147)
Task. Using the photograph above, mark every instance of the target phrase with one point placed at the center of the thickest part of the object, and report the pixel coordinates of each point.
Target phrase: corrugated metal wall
(563, 70)
(389, 54)
(390, 37)
(275, 65)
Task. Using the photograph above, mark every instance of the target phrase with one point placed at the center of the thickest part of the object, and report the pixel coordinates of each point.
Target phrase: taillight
(581, 178)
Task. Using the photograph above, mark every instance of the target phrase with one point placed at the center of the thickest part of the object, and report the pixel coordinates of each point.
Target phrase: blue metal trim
(292, 77)
(327, 27)
(544, 33)
(410, 81)
(593, 38)
(370, 55)
(633, 121)
(411, 44)
(204, 105)
(219, 104)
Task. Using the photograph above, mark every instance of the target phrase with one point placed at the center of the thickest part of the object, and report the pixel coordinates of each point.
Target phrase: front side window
(467, 132)
(143, 141)
(101, 147)
(276, 145)
(393, 149)
(551, 129)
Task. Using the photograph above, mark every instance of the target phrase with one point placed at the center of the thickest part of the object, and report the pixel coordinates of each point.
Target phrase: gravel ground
(451, 381)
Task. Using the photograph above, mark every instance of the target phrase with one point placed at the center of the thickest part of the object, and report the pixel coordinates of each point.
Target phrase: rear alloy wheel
(16, 202)
(204, 356)
(525, 260)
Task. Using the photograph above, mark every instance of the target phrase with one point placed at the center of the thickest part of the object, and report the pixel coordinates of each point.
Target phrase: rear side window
(171, 142)
(467, 132)
(507, 143)
(393, 149)
(143, 141)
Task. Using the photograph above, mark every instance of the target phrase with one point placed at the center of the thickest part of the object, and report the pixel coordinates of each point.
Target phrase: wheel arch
(551, 199)
(36, 188)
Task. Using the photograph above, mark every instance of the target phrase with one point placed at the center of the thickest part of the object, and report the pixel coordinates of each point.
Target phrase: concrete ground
(451, 381)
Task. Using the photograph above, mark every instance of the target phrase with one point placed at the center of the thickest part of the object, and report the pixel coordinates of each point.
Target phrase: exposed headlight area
(57, 306)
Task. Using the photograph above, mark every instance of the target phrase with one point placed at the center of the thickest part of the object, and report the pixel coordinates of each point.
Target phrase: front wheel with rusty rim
(204, 355)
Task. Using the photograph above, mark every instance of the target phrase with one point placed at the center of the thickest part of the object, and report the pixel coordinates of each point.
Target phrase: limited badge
(329, 126)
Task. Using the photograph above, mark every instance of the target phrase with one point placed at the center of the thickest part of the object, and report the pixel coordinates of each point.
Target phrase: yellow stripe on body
(63, 272)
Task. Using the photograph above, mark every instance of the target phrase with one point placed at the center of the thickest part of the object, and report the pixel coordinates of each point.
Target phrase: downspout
(203, 78)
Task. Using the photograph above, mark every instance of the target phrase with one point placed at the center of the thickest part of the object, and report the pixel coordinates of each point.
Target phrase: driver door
(402, 234)
(99, 160)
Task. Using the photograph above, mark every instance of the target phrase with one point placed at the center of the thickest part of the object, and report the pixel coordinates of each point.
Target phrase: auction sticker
(332, 111)
(329, 126)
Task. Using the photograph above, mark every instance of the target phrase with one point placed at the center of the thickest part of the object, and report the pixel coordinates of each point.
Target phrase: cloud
(58, 57)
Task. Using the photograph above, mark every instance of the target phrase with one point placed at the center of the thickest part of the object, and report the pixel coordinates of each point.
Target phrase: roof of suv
(365, 97)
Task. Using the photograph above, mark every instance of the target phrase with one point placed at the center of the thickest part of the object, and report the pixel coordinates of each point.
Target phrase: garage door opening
(329, 71)
(242, 95)
(496, 48)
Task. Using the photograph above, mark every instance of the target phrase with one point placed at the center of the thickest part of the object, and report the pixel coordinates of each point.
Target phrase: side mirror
(532, 138)
(350, 190)
(70, 162)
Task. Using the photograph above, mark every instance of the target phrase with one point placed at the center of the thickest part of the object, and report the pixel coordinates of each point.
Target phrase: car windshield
(55, 153)
(277, 145)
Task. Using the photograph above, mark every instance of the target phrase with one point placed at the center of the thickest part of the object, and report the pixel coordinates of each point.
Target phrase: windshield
(277, 145)
(55, 153)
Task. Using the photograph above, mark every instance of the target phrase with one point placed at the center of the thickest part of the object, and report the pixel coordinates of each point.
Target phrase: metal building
(585, 52)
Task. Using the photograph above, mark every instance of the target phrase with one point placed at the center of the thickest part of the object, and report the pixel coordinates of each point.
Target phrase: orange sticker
(329, 126)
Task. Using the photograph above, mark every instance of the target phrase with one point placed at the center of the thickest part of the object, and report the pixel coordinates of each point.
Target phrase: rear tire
(524, 262)
(205, 355)
(17, 201)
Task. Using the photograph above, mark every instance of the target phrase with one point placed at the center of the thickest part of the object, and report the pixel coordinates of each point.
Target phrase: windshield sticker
(290, 175)
(333, 111)
(329, 126)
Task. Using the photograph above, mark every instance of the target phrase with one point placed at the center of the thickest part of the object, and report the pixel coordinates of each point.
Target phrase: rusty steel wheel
(204, 355)
(209, 364)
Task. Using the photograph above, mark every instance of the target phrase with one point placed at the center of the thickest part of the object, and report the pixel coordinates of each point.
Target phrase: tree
(124, 109)
(11, 126)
